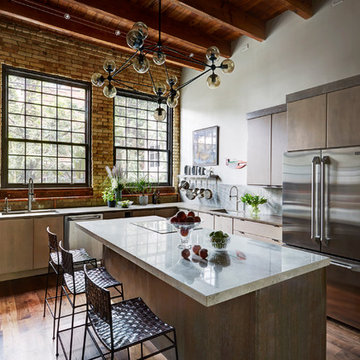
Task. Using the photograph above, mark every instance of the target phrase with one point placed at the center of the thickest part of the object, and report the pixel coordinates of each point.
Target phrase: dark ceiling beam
(228, 14)
(303, 8)
(172, 29)
(77, 30)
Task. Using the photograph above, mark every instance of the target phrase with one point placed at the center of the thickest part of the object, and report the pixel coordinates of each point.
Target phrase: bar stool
(73, 285)
(80, 257)
(122, 325)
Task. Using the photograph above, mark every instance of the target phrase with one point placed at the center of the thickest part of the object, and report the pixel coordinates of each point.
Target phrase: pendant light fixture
(140, 61)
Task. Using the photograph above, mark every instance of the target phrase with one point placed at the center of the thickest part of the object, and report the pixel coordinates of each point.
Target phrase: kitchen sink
(20, 212)
(229, 212)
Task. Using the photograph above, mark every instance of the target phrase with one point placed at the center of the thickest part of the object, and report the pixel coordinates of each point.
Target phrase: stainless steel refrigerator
(321, 213)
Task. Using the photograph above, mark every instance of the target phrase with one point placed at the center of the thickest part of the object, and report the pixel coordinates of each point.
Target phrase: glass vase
(118, 195)
(255, 211)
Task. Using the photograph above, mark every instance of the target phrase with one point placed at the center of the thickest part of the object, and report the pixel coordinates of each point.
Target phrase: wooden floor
(25, 334)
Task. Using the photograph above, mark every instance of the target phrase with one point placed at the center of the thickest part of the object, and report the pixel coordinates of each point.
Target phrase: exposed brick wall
(32, 48)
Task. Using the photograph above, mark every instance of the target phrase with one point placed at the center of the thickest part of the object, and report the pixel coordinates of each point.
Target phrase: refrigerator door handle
(345, 265)
(324, 206)
(314, 199)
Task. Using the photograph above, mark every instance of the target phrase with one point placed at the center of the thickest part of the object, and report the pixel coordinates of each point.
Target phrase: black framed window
(46, 130)
(142, 145)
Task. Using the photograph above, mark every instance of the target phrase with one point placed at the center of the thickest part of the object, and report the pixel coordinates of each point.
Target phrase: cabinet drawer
(166, 213)
(207, 220)
(257, 237)
(223, 223)
(264, 230)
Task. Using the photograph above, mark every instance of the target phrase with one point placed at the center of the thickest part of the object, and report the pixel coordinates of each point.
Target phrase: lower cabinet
(223, 223)
(41, 249)
(207, 220)
(166, 213)
(16, 241)
(258, 231)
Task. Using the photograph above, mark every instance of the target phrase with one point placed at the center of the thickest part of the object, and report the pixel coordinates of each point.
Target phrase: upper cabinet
(325, 116)
(307, 123)
(259, 148)
(267, 142)
(343, 125)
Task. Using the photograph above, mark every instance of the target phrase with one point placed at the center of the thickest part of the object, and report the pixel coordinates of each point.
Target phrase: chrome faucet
(235, 196)
(6, 206)
(30, 193)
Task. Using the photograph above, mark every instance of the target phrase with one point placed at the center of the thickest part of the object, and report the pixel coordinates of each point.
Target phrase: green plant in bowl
(219, 239)
(125, 203)
(254, 201)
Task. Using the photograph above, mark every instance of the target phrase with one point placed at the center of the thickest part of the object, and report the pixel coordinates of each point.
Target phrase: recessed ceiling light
(67, 16)
(117, 32)
(191, 55)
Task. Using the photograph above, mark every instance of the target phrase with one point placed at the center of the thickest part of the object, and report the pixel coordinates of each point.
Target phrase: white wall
(298, 54)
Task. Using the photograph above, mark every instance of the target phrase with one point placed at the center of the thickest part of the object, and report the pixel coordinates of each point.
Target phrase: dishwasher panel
(76, 238)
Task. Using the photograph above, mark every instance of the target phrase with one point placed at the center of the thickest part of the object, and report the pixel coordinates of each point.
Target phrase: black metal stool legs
(58, 324)
(46, 288)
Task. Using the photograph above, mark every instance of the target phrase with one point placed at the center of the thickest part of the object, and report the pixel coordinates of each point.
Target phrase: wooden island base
(285, 321)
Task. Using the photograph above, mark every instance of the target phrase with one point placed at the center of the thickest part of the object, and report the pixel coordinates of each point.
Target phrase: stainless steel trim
(324, 193)
(314, 235)
(84, 217)
(346, 265)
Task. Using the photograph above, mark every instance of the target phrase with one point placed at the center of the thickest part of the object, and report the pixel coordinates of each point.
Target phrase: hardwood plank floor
(25, 334)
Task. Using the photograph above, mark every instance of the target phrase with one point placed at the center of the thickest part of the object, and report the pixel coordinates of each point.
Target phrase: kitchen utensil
(189, 194)
(184, 185)
(208, 194)
(201, 193)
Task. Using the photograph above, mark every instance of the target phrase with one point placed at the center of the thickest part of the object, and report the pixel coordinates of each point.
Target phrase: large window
(45, 130)
(142, 145)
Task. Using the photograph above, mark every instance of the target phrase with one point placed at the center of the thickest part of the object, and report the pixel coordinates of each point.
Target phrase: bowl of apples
(185, 224)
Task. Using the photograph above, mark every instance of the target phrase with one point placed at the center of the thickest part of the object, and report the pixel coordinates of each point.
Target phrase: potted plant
(117, 181)
(254, 201)
(109, 197)
(141, 186)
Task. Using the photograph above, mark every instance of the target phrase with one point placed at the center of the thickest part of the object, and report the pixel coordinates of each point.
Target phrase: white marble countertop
(247, 265)
(263, 218)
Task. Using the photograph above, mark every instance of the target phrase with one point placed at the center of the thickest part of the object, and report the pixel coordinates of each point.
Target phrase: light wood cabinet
(278, 146)
(41, 249)
(307, 123)
(258, 230)
(223, 223)
(207, 220)
(267, 142)
(259, 149)
(343, 125)
(16, 241)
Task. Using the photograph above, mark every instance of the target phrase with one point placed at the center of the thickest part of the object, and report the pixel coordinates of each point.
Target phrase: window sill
(47, 194)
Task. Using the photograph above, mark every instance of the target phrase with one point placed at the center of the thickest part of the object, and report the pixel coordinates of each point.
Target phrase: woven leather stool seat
(133, 322)
(80, 256)
(98, 275)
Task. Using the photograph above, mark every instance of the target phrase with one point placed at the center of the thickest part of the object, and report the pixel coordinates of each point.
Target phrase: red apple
(191, 213)
(190, 220)
(181, 216)
(197, 219)
(185, 254)
(203, 253)
(196, 249)
(184, 232)
(174, 220)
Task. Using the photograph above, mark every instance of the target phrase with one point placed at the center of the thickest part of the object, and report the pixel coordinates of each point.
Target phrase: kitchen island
(253, 301)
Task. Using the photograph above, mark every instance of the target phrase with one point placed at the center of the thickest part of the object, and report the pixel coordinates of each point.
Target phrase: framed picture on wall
(206, 146)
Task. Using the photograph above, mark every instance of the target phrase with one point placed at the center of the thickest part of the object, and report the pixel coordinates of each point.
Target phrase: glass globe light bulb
(109, 91)
(172, 80)
(160, 114)
(97, 79)
(140, 26)
(159, 58)
(227, 66)
(172, 102)
(141, 64)
(159, 88)
(213, 81)
(212, 53)
(109, 65)
(135, 39)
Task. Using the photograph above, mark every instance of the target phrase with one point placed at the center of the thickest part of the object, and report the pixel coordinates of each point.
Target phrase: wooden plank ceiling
(189, 26)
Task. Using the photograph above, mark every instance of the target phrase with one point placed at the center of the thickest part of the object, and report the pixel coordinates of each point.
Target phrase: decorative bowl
(184, 230)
